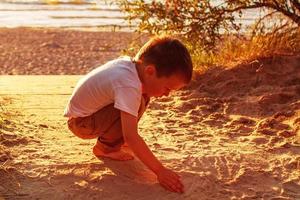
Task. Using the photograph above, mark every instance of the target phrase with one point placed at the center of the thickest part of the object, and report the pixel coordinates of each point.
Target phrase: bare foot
(117, 155)
(126, 149)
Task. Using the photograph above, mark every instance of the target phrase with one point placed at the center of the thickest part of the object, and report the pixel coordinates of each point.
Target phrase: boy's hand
(169, 180)
(166, 177)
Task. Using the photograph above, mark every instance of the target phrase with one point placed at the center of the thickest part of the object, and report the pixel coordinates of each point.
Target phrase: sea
(91, 14)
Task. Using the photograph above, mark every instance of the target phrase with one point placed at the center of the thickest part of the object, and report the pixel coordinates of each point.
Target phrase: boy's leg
(106, 125)
(83, 127)
(96, 124)
(112, 138)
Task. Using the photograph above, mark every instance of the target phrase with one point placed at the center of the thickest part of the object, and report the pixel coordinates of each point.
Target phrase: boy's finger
(174, 181)
(167, 187)
(172, 185)
(177, 182)
(175, 186)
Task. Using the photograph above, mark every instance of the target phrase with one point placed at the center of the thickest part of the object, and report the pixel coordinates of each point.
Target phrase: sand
(58, 51)
(232, 134)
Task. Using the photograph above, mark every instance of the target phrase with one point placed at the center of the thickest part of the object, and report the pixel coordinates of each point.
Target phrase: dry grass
(235, 50)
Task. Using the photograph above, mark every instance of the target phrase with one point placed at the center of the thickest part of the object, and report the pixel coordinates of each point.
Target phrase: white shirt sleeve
(128, 99)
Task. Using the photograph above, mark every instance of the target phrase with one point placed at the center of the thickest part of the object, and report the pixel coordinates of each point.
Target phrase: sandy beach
(231, 134)
(57, 51)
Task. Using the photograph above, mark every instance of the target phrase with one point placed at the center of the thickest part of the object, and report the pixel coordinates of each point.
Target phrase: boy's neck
(140, 70)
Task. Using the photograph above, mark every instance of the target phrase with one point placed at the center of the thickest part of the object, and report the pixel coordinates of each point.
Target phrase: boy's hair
(168, 55)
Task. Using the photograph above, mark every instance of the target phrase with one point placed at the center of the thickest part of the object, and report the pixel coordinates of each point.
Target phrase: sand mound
(258, 89)
(263, 95)
(247, 119)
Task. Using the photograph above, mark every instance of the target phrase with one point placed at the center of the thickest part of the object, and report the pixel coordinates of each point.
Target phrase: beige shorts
(105, 124)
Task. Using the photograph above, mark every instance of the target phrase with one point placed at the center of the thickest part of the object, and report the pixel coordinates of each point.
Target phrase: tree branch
(294, 17)
(260, 21)
(296, 4)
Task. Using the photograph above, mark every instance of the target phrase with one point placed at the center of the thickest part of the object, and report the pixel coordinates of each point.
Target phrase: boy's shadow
(135, 179)
(132, 169)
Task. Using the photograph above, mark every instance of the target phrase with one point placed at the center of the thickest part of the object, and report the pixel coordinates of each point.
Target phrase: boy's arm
(167, 178)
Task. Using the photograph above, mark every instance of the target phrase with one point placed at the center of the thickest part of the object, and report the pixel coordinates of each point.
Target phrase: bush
(213, 33)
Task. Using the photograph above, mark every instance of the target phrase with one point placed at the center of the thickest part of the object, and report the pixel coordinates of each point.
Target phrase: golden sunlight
(67, 80)
(55, 2)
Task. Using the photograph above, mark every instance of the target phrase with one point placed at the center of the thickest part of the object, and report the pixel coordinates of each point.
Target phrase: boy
(108, 102)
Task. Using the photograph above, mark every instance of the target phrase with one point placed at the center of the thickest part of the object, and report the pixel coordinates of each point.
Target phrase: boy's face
(155, 86)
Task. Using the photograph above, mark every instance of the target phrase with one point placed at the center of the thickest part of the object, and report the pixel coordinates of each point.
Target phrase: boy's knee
(108, 147)
(84, 136)
(81, 128)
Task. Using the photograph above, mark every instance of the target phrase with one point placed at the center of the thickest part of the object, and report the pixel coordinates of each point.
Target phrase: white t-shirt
(114, 82)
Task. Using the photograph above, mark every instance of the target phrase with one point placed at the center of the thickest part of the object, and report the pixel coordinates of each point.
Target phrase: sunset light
(150, 100)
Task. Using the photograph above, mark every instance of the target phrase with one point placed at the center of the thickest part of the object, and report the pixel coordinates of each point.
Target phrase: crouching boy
(108, 102)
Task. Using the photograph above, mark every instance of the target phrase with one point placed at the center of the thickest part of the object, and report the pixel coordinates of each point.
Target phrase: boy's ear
(150, 70)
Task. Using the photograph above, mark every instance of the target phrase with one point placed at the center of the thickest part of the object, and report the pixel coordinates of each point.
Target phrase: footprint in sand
(276, 140)
(273, 126)
(278, 98)
(287, 134)
(7, 136)
(280, 116)
(216, 120)
(15, 142)
(213, 123)
(266, 131)
(4, 155)
(293, 164)
(284, 147)
(169, 149)
(291, 189)
(260, 140)
(245, 121)
(296, 124)
(241, 127)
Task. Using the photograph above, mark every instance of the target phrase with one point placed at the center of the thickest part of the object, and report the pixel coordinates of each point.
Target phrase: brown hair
(168, 55)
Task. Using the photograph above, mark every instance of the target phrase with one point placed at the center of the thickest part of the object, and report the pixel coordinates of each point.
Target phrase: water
(66, 14)
(74, 14)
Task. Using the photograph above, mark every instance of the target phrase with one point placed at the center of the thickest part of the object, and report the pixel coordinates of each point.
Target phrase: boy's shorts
(105, 121)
